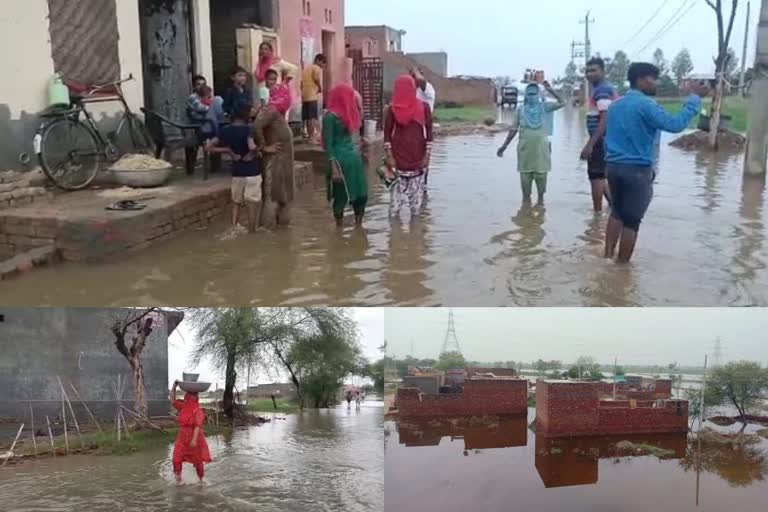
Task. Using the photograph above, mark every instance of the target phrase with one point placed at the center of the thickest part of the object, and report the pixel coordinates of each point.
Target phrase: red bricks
(569, 408)
(480, 397)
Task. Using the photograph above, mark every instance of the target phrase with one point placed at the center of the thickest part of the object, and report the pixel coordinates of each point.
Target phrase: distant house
(282, 390)
(41, 345)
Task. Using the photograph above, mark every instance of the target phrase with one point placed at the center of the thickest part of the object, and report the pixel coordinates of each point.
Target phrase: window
(330, 16)
(309, 8)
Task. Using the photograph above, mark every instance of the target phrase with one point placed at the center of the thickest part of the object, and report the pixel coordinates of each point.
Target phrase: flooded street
(502, 465)
(325, 460)
(703, 244)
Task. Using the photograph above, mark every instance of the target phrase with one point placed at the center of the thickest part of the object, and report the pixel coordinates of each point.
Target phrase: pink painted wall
(324, 16)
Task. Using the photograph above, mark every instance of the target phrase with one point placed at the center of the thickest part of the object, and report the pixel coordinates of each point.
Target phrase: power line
(684, 8)
(653, 17)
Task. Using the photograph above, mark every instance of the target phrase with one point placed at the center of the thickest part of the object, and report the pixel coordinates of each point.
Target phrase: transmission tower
(717, 354)
(451, 342)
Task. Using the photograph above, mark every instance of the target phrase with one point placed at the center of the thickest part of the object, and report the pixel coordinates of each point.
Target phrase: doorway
(328, 40)
(168, 55)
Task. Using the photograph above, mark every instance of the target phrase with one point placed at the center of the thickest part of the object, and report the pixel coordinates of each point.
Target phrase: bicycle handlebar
(116, 83)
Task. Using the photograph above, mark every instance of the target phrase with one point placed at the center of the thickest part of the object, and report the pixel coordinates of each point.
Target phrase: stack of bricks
(479, 397)
(19, 189)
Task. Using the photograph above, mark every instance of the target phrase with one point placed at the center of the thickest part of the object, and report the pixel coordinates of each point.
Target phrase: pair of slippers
(126, 205)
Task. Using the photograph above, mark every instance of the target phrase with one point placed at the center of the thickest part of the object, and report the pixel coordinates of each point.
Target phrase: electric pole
(757, 140)
(742, 77)
(587, 52)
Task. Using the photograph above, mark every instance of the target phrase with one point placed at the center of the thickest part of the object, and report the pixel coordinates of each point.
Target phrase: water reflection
(702, 244)
(319, 460)
(495, 464)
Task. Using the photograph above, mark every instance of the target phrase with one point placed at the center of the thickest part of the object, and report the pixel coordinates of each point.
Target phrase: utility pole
(587, 52)
(615, 364)
(757, 140)
(742, 77)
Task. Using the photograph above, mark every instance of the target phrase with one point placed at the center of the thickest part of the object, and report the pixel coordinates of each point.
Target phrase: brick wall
(473, 91)
(480, 397)
(574, 408)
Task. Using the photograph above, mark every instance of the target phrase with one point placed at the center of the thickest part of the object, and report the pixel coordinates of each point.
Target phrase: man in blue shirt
(602, 97)
(633, 125)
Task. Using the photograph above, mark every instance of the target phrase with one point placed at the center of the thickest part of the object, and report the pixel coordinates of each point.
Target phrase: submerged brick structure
(479, 397)
(640, 388)
(572, 408)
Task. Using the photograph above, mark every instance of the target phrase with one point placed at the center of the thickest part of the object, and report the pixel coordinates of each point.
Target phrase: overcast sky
(504, 37)
(635, 335)
(370, 322)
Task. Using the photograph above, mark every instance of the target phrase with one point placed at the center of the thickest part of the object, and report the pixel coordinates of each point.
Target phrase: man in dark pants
(633, 125)
(602, 96)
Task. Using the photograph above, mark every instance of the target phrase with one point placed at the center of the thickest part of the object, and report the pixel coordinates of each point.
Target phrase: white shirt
(427, 95)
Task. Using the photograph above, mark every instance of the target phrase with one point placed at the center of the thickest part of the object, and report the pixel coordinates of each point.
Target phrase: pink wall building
(309, 27)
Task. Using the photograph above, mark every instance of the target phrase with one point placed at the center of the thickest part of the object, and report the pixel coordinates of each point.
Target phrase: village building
(160, 43)
(580, 408)
(285, 391)
(75, 345)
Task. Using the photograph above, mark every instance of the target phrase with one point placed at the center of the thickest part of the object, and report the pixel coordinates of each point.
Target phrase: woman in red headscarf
(190, 443)
(346, 179)
(274, 137)
(408, 143)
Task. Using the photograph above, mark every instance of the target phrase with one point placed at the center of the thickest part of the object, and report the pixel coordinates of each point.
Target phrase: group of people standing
(621, 153)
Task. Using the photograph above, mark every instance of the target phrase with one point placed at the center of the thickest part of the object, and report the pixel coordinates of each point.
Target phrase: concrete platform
(80, 228)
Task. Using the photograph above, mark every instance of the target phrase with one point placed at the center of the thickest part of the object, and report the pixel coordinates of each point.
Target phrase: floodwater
(327, 460)
(461, 465)
(703, 244)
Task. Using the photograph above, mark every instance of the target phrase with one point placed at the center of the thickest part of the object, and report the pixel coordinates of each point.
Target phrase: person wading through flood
(425, 91)
(633, 127)
(603, 95)
(408, 144)
(346, 180)
(274, 137)
(534, 152)
(190, 445)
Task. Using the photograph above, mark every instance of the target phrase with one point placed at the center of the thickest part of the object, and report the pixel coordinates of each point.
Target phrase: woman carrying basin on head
(190, 445)
(534, 152)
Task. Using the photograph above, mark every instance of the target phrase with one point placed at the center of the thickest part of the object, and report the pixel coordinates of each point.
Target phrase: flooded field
(503, 465)
(703, 244)
(325, 460)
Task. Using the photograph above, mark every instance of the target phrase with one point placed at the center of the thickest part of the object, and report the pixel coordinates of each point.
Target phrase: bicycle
(71, 148)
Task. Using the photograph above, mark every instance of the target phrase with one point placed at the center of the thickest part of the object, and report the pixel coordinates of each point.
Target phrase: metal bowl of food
(194, 387)
(141, 171)
(190, 377)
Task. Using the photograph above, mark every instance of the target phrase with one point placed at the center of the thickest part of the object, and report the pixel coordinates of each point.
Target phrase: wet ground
(703, 244)
(327, 460)
(502, 465)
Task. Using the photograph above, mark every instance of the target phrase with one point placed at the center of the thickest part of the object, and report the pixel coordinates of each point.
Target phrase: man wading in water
(632, 128)
(603, 95)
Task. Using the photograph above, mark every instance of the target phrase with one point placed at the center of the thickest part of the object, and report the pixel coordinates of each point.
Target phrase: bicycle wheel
(133, 137)
(69, 153)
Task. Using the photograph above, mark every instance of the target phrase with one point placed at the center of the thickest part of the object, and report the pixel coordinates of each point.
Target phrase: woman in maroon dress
(190, 444)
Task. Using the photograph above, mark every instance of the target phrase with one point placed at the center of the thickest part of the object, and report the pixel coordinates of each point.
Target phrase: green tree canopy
(450, 360)
(682, 65)
(744, 385)
(585, 368)
(617, 70)
(660, 62)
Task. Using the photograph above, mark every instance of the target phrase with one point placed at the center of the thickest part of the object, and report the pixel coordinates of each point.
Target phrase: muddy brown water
(327, 460)
(703, 244)
(502, 465)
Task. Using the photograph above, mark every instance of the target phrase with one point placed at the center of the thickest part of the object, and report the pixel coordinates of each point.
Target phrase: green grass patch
(284, 406)
(106, 443)
(734, 106)
(469, 114)
(531, 400)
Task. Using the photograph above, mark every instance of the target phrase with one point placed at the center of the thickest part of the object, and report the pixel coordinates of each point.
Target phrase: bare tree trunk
(721, 64)
(139, 393)
(714, 120)
(229, 384)
(143, 322)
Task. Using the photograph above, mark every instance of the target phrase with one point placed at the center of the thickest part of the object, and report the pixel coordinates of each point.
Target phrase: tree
(136, 324)
(744, 385)
(660, 62)
(585, 367)
(617, 70)
(571, 78)
(376, 373)
(732, 65)
(682, 65)
(451, 360)
(619, 371)
(721, 63)
(224, 337)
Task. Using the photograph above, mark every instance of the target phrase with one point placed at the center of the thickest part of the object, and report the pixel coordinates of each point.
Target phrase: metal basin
(144, 178)
(190, 377)
(194, 387)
